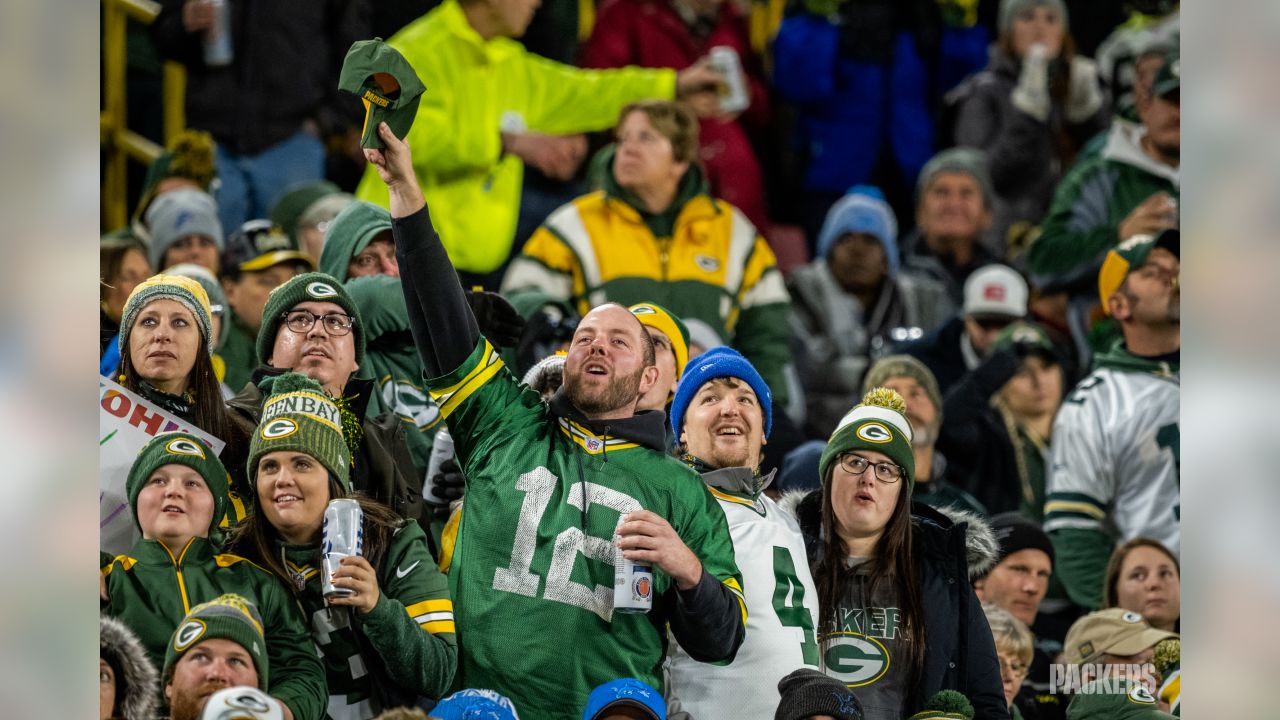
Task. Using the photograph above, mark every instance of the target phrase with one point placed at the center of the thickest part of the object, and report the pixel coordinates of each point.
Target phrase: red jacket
(650, 33)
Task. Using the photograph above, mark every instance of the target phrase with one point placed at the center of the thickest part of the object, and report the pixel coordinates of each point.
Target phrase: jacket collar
(154, 552)
(646, 428)
(692, 185)
(740, 482)
(1119, 358)
(1124, 145)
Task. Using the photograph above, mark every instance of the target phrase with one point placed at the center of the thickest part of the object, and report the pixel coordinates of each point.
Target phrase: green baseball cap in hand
(387, 85)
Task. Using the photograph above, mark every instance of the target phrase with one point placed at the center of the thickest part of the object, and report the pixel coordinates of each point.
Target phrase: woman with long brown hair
(1144, 576)
(897, 616)
(391, 639)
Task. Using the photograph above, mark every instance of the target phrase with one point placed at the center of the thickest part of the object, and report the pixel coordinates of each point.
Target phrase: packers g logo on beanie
(187, 634)
(227, 617)
(879, 423)
(183, 446)
(298, 415)
(874, 432)
(279, 428)
(321, 290)
(178, 448)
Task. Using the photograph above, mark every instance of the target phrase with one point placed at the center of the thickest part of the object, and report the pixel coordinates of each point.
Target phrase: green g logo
(183, 446)
(186, 635)
(855, 659)
(321, 290)
(276, 429)
(874, 432)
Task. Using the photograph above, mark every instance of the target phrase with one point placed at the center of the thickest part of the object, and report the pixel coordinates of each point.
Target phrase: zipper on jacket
(177, 571)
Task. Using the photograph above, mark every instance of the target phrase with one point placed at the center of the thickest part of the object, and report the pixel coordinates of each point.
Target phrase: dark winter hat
(387, 85)
(261, 244)
(1009, 9)
(137, 682)
(312, 286)
(807, 692)
(879, 423)
(177, 214)
(475, 704)
(179, 448)
(625, 692)
(1027, 338)
(904, 366)
(299, 416)
(1116, 699)
(228, 617)
(1015, 532)
(946, 705)
(862, 210)
(349, 233)
(178, 288)
(721, 362)
(1129, 256)
(666, 322)
(289, 208)
(965, 160)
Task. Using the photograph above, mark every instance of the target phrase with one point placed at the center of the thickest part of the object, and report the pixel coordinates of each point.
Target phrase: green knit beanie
(894, 366)
(878, 423)
(312, 286)
(349, 233)
(299, 416)
(179, 448)
(946, 705)
(227, 617)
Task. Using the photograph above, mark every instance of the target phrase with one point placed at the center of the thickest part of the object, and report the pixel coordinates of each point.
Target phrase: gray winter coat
(834, 340)
(137, 682)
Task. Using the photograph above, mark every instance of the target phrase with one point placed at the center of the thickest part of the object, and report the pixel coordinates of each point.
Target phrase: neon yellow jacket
(475, 90)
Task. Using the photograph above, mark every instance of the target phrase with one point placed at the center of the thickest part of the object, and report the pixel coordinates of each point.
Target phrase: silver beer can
(343, 537)
(441, 450)
(632, 582)
(734, 96)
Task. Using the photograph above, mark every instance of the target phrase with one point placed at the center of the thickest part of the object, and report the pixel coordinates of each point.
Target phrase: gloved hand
(448, 484)
(1031, 95)
(1086, 98)
(498, 319)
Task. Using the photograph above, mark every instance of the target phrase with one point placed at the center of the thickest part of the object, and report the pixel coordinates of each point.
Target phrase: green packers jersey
(410, 630)
(532, 569)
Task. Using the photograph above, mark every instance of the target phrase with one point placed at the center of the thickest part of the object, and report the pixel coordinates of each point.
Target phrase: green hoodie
(151, 590)
(349, 233)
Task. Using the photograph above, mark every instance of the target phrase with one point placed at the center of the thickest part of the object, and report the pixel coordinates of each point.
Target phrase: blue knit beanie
(862, 210)
(720, 362)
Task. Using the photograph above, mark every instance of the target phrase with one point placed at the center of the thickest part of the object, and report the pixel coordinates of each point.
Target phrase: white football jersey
(1115, 457)
(782, 612)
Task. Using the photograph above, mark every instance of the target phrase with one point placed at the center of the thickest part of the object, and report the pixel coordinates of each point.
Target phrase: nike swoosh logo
(402, 572)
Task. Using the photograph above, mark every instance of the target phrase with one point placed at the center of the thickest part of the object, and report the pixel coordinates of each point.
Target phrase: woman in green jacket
(178, 490)
(392, 640)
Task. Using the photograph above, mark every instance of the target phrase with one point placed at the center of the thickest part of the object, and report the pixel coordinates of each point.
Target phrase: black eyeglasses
(886, 472)
(301, 321)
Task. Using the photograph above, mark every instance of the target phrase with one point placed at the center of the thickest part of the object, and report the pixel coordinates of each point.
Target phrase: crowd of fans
(877, 377)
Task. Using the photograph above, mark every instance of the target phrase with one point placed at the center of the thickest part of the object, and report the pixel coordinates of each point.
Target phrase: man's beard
(187, 704)
(617, 394)
(923, 436)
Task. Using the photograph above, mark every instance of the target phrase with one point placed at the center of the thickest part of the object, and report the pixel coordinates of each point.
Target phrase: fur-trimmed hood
(981, 547)
(137, 682)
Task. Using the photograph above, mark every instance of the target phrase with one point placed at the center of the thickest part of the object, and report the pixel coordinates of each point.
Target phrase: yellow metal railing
(119, 143)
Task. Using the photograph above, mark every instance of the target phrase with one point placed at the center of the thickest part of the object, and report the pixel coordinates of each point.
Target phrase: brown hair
(252, 539)
(674, 121)
(1065, 146)
(111, 256)
(894, 562)
(1110, 588)
(209, 412)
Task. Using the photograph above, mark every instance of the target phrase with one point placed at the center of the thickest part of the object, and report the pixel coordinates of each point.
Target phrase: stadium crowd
(854, 356)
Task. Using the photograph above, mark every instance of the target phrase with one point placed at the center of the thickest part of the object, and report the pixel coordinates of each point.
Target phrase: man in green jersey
(554, 489)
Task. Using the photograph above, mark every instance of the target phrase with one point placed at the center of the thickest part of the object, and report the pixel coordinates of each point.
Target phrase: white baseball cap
(995, 291)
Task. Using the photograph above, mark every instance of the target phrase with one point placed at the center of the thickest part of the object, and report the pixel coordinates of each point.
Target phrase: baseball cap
(475, 704)
(260, 244)
(1114, 631)
(995, 291)
(1130, 701)
(627, 692)
(1127, 256)
(387, 85)
(241, 703)
(1027, 338)
(1168, 77)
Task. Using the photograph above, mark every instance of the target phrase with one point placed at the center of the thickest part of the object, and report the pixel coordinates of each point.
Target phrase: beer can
(441, 450)
(734, 96)
(343, 537)
(632, 582)
(217, 40)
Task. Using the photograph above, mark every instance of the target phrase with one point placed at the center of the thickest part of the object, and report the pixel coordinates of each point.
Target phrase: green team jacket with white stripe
(150, 589)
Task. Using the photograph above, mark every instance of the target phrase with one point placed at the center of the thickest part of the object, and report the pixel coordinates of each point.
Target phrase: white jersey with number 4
(1116, 451)
(782, 612)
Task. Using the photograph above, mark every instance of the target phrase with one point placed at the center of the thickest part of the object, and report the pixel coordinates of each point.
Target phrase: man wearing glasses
(311, 325)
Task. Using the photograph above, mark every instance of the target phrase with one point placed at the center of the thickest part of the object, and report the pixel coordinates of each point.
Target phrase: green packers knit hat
(350, 232)
(179, 448)
(1130, 255)
(261, 244)
(299, 416)
(294, 202)
(668, 323)
(946, 705)
(1169, 77)
(879, 423)
(227, 617)
(894, 366)
(387, 85)
(312, 286)
(178, 288)
(1114, 699)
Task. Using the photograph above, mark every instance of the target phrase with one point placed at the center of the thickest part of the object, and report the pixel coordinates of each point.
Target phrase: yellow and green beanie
(179, 448)
(312, 286)
(178, 288)
(298, 415)
(878, 423)
(227, 617)
(663, 320)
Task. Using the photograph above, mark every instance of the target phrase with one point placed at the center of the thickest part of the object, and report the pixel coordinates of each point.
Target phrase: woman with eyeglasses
(898, 620)
(1015, 647)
